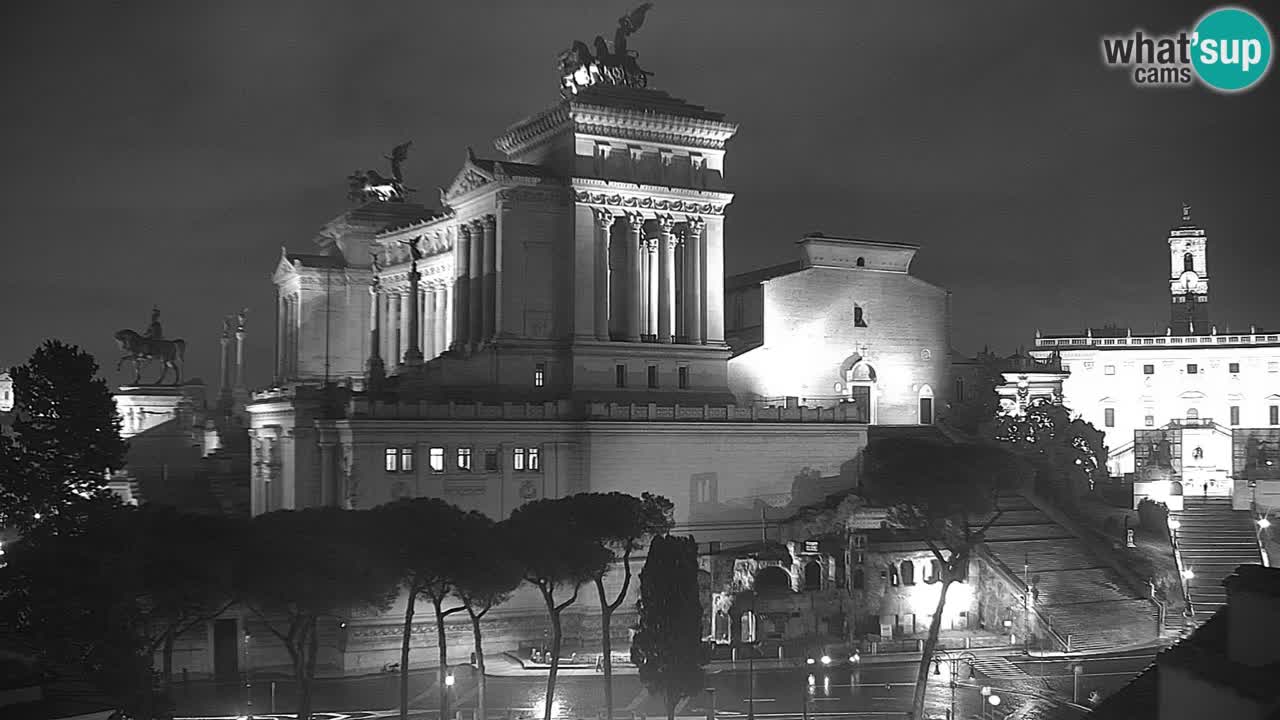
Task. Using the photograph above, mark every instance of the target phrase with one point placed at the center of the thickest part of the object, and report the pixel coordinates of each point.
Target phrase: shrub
(1154, 517)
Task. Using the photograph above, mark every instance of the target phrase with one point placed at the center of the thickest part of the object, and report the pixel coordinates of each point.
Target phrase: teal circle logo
(1231, 49)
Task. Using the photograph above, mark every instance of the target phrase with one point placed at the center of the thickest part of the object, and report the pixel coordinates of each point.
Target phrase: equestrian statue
(580, 68)
(364, 186)
(152, 345)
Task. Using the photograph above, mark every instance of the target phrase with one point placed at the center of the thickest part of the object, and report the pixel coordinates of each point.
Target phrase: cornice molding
(604, 194)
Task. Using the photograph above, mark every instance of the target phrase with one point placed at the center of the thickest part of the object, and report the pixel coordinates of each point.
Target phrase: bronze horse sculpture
(141, 349)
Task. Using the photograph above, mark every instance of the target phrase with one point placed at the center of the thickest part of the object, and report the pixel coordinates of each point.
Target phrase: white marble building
(1211, 394)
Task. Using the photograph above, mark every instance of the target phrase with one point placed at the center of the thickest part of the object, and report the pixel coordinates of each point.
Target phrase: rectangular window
(1235, 414)
(811, 546)
(539, 375)
(1148, 369)
(436, 459)
(1109, 417)
(464, 459)
(392, 463)
(1149, 421)
(653, 376)
(490, 460)
(1275, 414)
(959, 389)
(682, 375)
(620, 375)
(1233, 367)
(1109, 370)
(517, 459)
(535, 459)
(406, 459)
(1192, 368)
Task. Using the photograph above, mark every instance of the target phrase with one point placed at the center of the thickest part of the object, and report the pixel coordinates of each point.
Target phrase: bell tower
(1188, 278)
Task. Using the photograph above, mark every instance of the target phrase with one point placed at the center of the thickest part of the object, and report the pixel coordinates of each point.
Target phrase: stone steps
(1213, 540)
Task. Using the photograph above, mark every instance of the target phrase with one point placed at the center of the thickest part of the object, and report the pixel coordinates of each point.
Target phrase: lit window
(490, 460)
(620, 375)
(464, 458)
(1109, 370)
(893, 575)
(392, 460)
(1192, 368)
(1148, 369)
(1233, 367)
(535, 460)
(406, 459)
(653, 376)
(811, 546)
(1109, 417)
(517, 459)
(539, 374)
(436, 459)
(682, 376)
(1235, 414)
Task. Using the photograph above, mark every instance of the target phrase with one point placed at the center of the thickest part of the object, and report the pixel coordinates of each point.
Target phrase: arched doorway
(813, 575)
(772, 579)
(925, 400)
(860, 388)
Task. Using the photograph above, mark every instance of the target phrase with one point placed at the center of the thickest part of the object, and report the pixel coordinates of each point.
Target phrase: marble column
(376, 369)
(693, 291)
(462, 289)
(475, 273)
(447, 317)
(651, 281)
(666, 279)
(393, 327)
(488, 300)
(412, 328)
(281, 323)
(635, 290)
(604, 223)
(440, 312)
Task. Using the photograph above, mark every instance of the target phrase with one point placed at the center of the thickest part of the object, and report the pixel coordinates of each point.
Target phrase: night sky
(162, 152)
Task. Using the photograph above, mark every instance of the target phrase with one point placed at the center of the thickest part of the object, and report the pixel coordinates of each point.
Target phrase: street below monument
(870, 692)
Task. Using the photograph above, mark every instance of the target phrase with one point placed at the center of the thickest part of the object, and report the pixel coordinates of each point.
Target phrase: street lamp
(448, 689)
(954, 661)
(1263, 523)
(1188, 574)
(248, 679)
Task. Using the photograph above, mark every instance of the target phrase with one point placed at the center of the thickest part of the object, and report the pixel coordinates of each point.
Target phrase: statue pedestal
(143, 407)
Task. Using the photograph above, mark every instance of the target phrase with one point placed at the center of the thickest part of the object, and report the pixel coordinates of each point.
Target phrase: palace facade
(1195, 409)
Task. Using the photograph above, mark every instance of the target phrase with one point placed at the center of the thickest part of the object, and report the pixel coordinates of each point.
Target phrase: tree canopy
(66, 439)
(1069, 453)
(667, 648)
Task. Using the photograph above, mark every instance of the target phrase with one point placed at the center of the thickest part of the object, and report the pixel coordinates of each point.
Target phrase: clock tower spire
(1188, 278)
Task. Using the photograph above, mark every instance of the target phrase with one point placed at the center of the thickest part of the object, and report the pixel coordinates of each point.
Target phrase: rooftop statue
(141, 348)
(366, 185)
(579, 68)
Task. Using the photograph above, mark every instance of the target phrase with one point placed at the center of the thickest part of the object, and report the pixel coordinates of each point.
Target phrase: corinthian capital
(695, 224)
(489, 222)
(604, 218)
(665, 224)
(636, 220)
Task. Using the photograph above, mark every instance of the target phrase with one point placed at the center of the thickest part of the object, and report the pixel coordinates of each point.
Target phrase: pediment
(468, 178)
(284, 268)
(1192, 395)
(1107, 400)
(1273, 396)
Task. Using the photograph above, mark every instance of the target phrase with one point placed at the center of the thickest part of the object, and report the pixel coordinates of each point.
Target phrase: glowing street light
(1264, 523)
(1174, 524)
(448, 680)
(1188, 574)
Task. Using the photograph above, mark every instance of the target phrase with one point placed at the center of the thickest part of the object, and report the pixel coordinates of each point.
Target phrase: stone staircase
(1079, 593)
(1213, 540)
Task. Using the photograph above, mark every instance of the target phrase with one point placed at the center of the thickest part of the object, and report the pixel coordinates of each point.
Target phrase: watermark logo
(1228, 51)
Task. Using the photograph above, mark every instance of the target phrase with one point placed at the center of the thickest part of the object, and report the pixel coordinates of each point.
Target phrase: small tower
(1188, 277)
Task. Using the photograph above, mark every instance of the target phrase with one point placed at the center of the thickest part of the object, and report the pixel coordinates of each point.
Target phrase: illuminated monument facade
(557, 325)
(1193, 410)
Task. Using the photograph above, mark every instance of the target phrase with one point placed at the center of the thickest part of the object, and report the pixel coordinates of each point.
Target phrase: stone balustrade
(362, 407)
(1174, 340)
